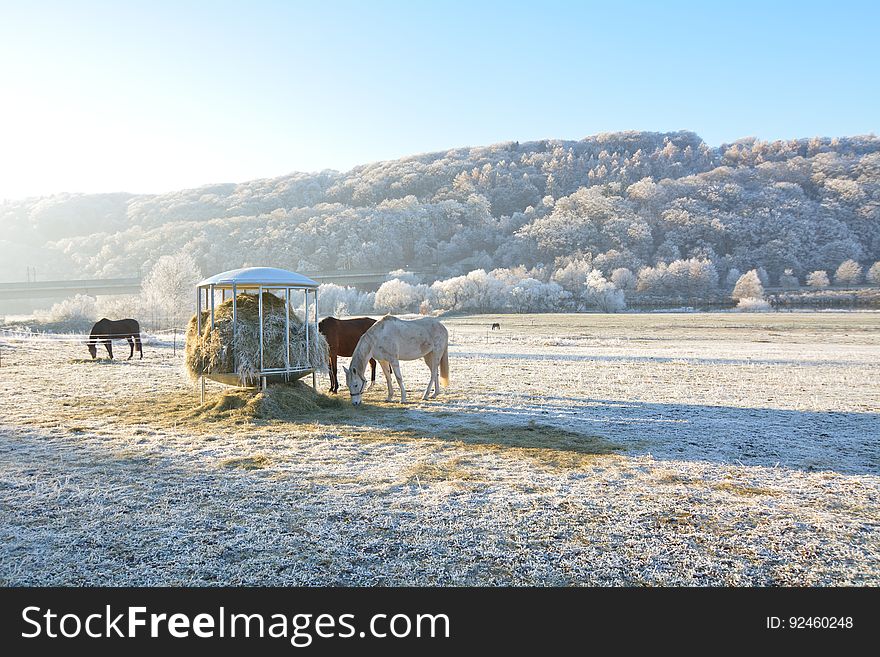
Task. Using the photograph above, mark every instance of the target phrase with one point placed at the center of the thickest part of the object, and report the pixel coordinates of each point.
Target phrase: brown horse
(107, 330)
(342, 337)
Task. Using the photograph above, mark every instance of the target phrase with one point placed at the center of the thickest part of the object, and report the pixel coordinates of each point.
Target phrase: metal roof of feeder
(254, 277)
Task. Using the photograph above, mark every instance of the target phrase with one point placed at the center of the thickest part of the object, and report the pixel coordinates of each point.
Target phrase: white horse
(391, 340)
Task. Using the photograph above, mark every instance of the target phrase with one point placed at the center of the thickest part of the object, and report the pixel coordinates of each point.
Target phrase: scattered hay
(450, 470)
(543, 444)
(547, 444)
(228, 401)
(217, 351)
(255, 462)
(744, 490)
(291, 402)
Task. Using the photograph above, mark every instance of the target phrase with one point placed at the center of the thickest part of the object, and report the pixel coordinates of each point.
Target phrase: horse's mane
(361, 354)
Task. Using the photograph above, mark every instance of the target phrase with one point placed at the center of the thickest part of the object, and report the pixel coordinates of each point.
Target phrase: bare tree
(818, 278)
(849, 273)
(748, 286)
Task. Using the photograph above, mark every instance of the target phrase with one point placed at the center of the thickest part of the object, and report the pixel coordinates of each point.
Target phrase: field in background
(703, 449)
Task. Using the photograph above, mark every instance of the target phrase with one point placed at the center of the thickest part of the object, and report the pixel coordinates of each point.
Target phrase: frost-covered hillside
(629, 199)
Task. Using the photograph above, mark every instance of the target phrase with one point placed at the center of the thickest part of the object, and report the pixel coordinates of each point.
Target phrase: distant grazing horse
(391, 340)
(342, 337)
(496, 326)
(106, 330)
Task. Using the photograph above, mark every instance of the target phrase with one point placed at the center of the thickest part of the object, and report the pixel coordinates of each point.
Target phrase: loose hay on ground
(256, 462)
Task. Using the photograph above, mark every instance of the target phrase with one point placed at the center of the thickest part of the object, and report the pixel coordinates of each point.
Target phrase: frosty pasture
(696, 449)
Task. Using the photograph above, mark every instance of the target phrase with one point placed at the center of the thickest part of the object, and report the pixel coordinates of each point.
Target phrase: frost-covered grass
(704, 449)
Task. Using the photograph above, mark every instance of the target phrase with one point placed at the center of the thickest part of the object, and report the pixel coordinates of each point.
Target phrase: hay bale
(218, 351)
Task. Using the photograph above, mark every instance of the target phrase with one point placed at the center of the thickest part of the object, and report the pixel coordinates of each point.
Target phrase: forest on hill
(669, 209)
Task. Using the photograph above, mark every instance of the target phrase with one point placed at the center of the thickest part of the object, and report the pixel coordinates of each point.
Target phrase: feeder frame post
(234, 322)
(314, 375)
(287, 332)
(212, 307)
(306, 318)
(199, 335)
(260, 315)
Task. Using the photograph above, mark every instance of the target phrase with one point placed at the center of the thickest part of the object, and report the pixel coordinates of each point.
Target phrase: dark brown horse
(106, 330)
(342, 337)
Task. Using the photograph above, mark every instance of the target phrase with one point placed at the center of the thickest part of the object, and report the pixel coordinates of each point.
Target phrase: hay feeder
(263, 282)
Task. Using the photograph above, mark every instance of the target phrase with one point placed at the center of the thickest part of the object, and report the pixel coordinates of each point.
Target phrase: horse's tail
(444, 367)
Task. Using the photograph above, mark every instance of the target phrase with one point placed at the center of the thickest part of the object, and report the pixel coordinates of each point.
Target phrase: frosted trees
(753, 305)
(586, 221)
(693, 277)
(874, 274)
(602, 294)
(732, 277)
(702, 277)
(573, 275)
(405, 276)
(788, 281)
(573, 279)
(453, 293)
(532, 295)
(621, 200)
(168, 288)
(399, 296)
(623, 279)
(848, 273)
(74, 313)
(818, 279)
(341, 301)
(749, 292)
(748, 287)
(652, 279)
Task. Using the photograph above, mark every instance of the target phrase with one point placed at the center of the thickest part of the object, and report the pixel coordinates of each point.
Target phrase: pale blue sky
(155, 96)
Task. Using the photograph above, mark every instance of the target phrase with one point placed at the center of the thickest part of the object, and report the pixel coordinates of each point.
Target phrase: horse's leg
(109, 346)
(386, 370)
(130, 341)
(395, 365)
(429, 361)
(439, 348)
(436, 374)
(373, 375)
(333, 379)
(139, 344)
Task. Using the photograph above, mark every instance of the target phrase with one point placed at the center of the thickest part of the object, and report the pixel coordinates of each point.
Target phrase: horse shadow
(839, 441)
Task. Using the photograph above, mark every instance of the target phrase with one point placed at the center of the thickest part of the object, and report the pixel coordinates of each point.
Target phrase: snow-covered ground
(701, 449)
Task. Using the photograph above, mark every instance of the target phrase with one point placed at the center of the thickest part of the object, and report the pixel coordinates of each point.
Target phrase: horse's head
(356, 384)
(93, 349)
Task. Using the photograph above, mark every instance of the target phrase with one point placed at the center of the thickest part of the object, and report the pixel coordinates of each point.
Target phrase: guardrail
(94, 287)
(108, 286)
